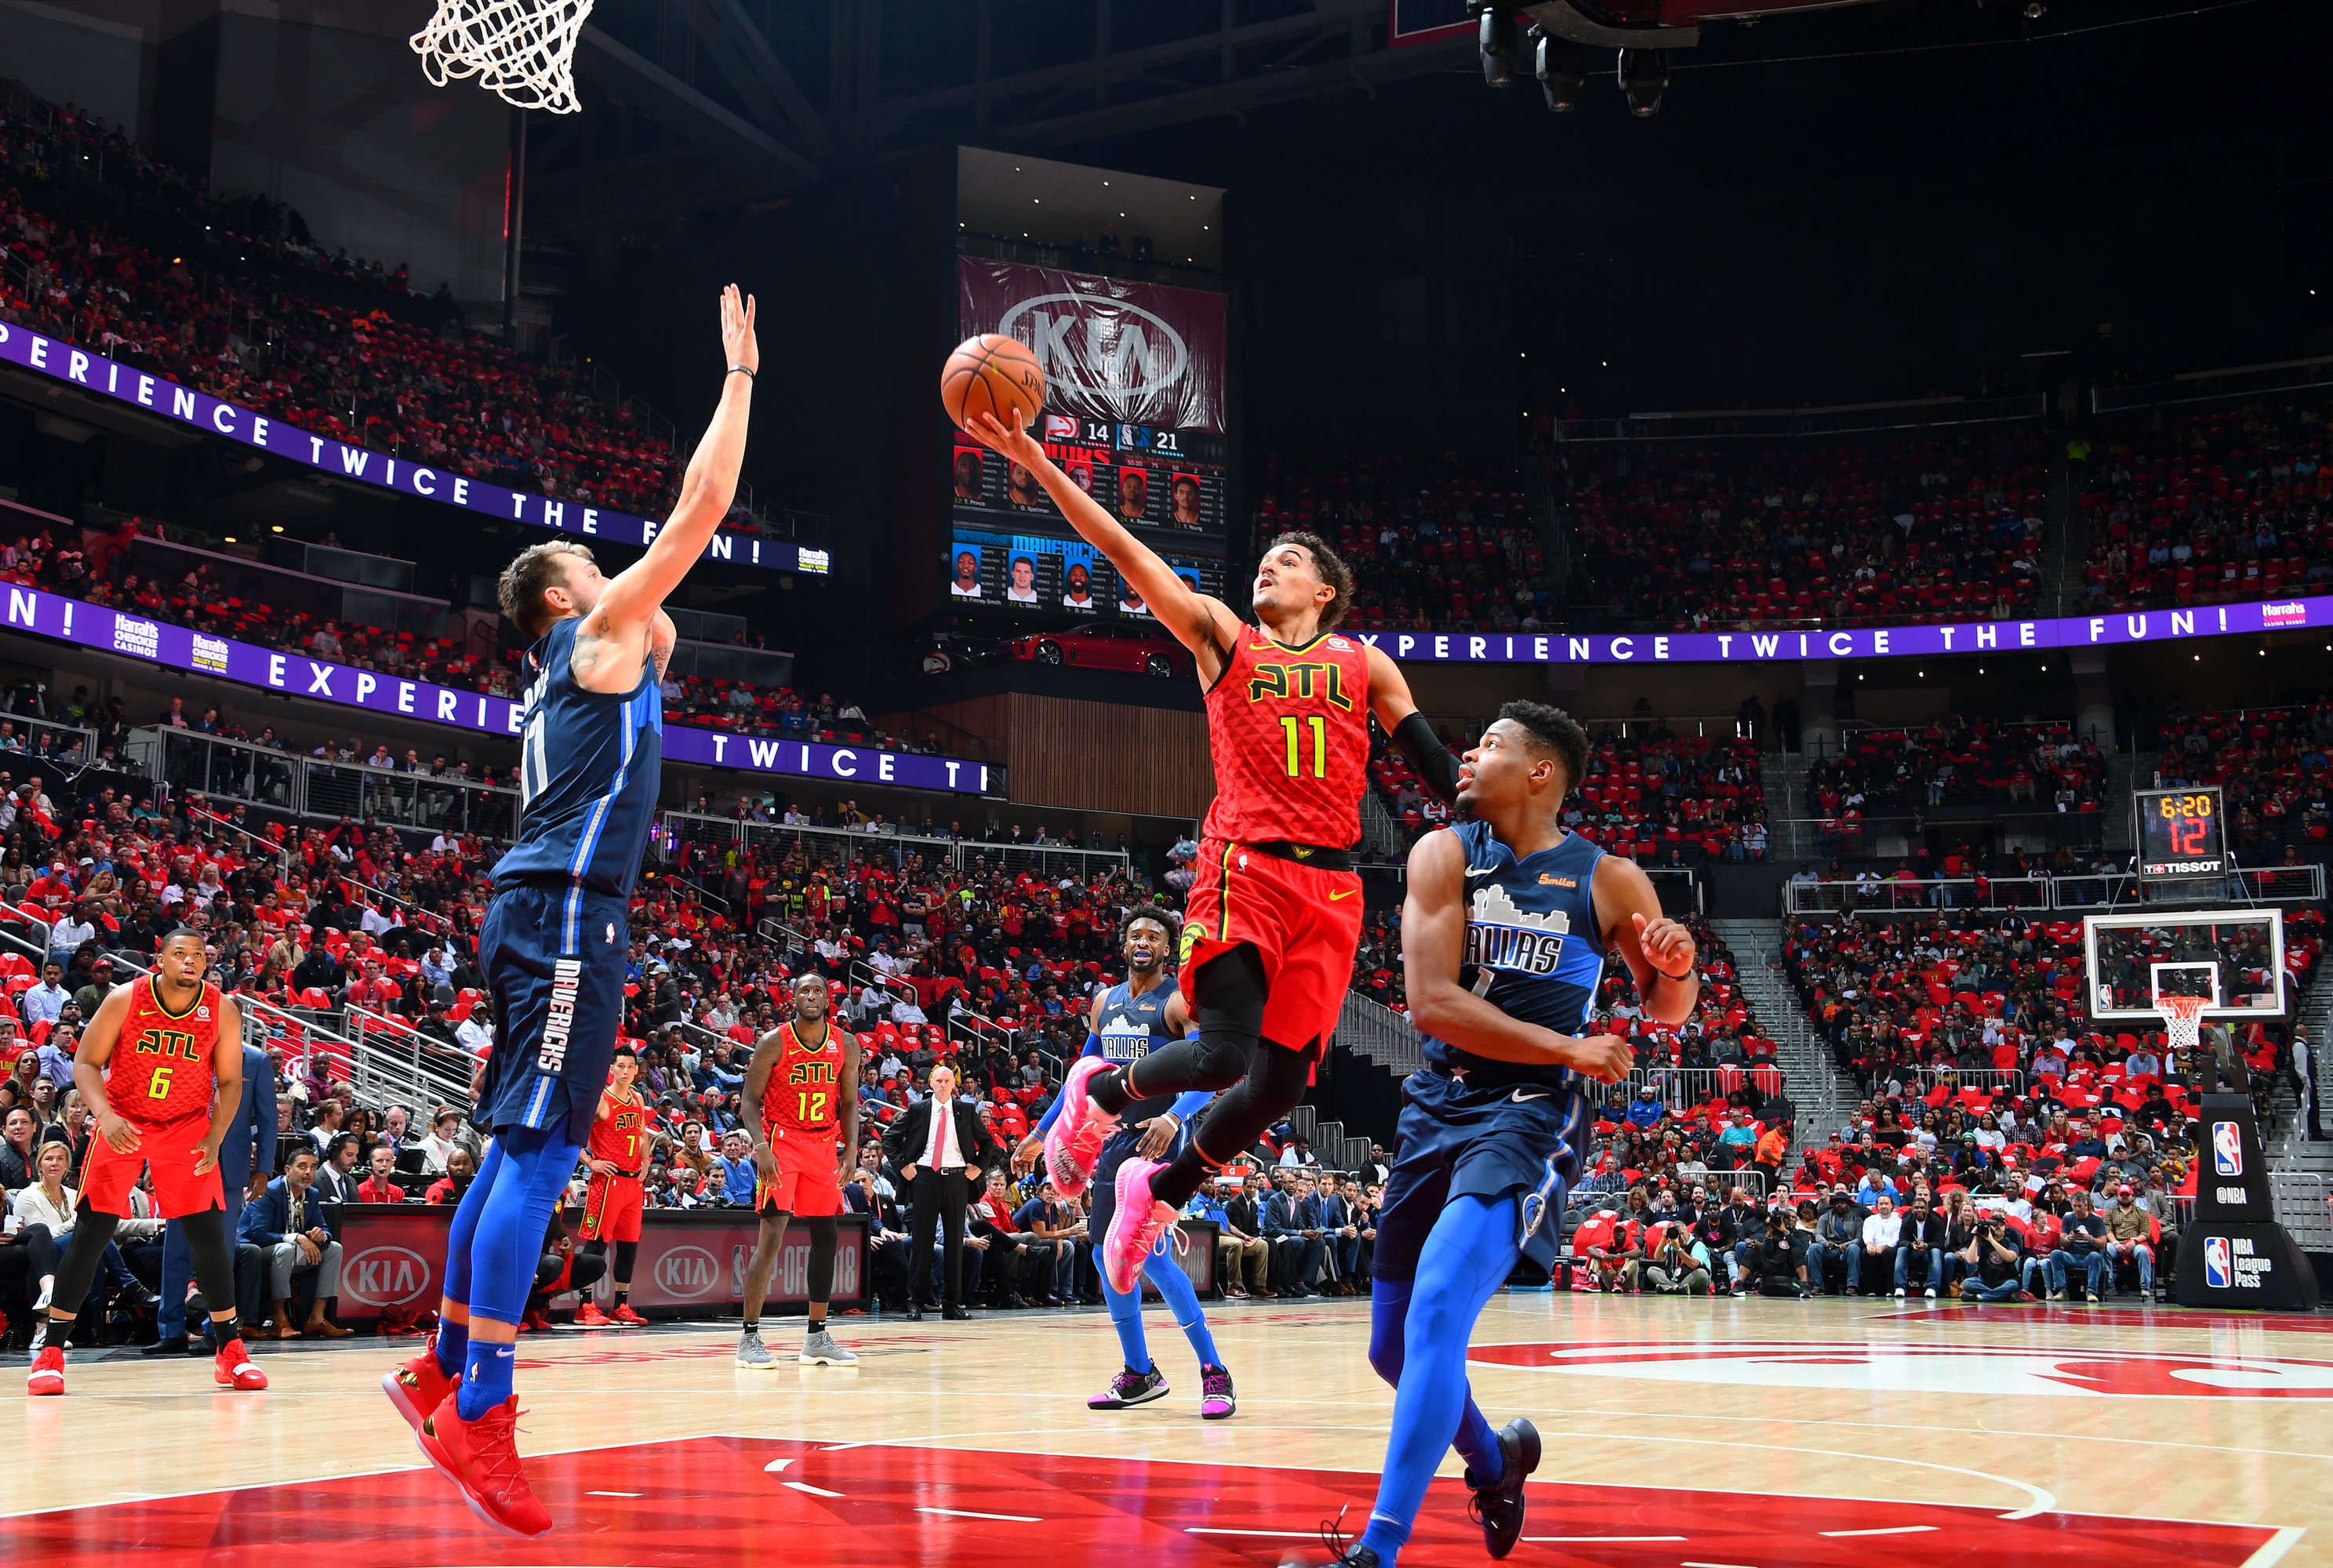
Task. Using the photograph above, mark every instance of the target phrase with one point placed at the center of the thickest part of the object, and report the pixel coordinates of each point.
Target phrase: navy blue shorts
(1455, 1142)
(553, 957)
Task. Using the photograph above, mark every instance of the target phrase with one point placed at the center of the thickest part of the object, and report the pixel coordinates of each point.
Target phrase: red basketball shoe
(588, 1316)
(625, 1317)
(232, 1369)
(48, 1374)
(420, 1386)
(481, 1457)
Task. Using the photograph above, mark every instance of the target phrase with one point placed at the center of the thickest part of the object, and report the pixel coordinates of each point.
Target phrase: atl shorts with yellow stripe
(1303, 921)
(612, 1207)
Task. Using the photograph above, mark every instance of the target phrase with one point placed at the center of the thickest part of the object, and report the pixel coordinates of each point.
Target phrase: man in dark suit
(300, 1234)
(1296, 1244)
(940, 1147)
(245, 1161)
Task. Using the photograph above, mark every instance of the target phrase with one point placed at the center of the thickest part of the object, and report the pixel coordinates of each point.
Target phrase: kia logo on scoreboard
(1111, 349)
(687, 1272)
(385, 1276)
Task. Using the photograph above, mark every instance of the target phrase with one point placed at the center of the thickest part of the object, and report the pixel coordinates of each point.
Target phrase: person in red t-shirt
(378, 1186)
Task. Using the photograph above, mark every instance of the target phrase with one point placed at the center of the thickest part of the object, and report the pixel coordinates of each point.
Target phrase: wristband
(745, 371)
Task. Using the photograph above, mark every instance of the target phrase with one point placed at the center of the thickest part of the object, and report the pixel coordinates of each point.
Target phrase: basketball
(993, 374)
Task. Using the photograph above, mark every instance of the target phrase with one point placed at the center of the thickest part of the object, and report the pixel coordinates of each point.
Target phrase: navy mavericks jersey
(589, 766)
(1532, 947)
(1130, 1026)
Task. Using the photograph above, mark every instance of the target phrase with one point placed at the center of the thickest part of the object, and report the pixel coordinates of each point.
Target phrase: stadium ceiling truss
(697, 103)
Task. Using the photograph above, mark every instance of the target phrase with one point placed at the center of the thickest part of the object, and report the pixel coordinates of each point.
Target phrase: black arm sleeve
(1435, 763)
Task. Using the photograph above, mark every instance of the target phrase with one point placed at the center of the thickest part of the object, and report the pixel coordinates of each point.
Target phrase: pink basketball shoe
(1137, 1225)
(1078, 1134)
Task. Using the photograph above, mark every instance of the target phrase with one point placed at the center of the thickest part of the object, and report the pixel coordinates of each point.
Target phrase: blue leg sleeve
(507, 1244)
(454, 1338)
(1467, 1257)
(1126, 1317)
(1175, 1288)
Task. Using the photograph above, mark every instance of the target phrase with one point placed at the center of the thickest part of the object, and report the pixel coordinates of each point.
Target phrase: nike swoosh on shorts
(1519, 1097)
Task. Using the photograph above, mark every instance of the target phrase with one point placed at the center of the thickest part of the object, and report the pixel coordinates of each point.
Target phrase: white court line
(1272, 1534)
(2273, 1550)
(1579, 1540)
(968, 1514)
(813, 1491)
(615, 1493)
(1890, 1530)
(775, 1466)
(1693, 1564)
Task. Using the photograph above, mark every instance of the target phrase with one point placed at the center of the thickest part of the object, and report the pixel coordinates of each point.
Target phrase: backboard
(2234, 957)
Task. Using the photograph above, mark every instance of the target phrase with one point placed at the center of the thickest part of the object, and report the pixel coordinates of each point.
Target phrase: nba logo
(2216, 1273)
(2227, 1149)
(1060, 427)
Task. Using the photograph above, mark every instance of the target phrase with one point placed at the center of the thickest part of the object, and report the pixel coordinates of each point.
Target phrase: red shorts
(107, 1175)
(1304, 921)
(808, 1182)
(611, 1208)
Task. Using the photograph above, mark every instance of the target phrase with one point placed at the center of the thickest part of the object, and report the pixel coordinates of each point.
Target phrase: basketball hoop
(522, 51)
(2183, 1019)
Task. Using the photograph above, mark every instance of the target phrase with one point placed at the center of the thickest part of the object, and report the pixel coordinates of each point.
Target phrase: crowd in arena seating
(1956, 762)
(224, 294)
(1435, 545)
(2274, 767)
(2210, 507)
(1886, 531)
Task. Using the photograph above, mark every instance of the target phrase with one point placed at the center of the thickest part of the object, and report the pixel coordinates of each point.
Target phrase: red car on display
(1108, 646)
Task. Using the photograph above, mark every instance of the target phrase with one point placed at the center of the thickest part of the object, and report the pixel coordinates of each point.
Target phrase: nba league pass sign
(2235, 1253)
(104, 377)
(1113, 351)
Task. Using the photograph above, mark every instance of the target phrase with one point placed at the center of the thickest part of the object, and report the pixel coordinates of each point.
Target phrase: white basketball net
(522, 51)
(2183, 1022)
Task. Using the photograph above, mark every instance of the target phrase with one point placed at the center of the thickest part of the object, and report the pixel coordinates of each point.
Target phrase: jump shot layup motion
(1504, 934)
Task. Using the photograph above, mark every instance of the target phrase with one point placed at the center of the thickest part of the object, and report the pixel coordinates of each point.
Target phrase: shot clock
(2179, 833)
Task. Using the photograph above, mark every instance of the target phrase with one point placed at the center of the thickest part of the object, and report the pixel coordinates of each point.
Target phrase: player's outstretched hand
(1015, 444)
(119, 1135)
(737, 338)
(1668, 946)
(1158, 1135)
(1605, 1058)
(1024, 1153)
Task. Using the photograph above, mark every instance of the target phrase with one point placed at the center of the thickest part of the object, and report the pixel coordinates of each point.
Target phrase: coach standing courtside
(941, 1148)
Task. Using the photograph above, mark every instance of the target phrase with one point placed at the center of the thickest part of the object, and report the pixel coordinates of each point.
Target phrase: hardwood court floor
(1734, 1434)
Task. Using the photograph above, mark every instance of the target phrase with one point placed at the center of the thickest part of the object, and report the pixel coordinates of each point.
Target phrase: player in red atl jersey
(161, 1066)
(800, 1089)
(1275, 909)
(613, 1203)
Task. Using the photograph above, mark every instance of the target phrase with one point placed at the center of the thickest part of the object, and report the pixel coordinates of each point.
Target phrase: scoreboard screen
(2179, 833)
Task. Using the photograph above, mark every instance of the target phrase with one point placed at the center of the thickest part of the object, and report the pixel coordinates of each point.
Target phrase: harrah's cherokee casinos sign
(1131, 353)
(95, 374)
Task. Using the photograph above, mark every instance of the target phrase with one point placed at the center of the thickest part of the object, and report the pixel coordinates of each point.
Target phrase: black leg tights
(822, 1233)
(627, 1254)
(1261, 1079)
(205, 1239)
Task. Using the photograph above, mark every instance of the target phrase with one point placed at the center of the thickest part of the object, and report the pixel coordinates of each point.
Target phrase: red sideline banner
(393, 1256)
(1111, 349)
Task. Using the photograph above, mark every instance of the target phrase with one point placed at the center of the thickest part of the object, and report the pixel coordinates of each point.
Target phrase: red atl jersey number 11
(1289, 728)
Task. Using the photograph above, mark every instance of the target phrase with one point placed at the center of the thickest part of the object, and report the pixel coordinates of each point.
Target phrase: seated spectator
(300, 1234)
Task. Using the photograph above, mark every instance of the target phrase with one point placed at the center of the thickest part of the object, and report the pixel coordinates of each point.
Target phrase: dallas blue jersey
(589, 767)
(1532, 947)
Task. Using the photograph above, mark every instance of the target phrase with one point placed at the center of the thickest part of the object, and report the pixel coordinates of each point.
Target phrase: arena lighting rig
(1555, 36)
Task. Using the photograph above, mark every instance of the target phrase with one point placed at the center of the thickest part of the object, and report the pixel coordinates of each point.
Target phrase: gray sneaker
(820, 1350)
(752, 1352)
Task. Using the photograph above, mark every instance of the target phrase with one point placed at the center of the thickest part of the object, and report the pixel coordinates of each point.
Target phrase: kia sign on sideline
(393, 1258)
(1114, 351)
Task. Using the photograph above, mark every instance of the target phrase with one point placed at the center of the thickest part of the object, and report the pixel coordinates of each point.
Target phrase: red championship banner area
(1127, 352)
(393, 1256)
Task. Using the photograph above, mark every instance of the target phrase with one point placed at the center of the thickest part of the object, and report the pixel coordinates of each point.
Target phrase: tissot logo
(1109, 347)
(385, 1276)
(687, 1272)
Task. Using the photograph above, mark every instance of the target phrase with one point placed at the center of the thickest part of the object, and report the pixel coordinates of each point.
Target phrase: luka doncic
(1503, 936)
(554, 941)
